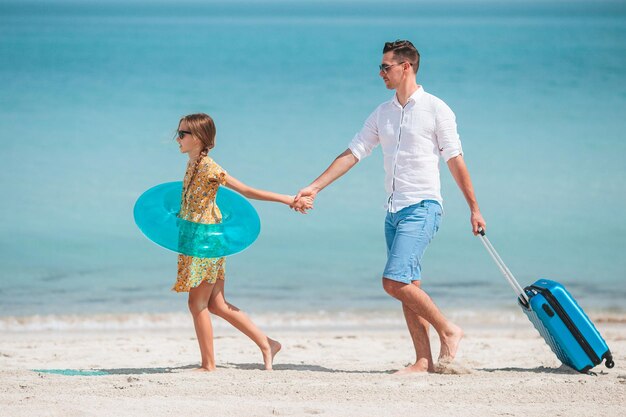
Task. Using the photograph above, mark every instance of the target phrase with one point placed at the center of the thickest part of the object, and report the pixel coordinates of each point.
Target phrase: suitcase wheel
(609, 364)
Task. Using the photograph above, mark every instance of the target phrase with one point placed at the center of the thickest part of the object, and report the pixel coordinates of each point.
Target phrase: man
(414, 129)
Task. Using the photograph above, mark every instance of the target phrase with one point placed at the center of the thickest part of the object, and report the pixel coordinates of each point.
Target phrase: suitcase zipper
(569, 324)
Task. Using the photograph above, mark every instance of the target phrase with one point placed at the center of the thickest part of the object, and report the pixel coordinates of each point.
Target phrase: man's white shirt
(412, 139)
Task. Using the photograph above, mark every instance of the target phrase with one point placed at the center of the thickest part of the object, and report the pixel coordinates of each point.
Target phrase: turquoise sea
(91, 93)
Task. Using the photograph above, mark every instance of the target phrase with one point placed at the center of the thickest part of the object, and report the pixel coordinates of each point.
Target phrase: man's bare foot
(450, 343)
(268, 355)
(417, 367)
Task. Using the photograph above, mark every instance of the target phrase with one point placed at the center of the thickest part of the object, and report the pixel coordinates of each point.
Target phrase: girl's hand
(302, 205)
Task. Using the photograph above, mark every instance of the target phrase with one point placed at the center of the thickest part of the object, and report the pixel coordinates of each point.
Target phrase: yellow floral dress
(198, 205)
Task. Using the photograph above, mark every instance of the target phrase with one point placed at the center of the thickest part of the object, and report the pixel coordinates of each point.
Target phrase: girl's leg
(198, 302)
(220, 307)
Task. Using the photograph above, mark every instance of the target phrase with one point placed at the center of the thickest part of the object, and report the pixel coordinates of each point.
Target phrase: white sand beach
(331, 365)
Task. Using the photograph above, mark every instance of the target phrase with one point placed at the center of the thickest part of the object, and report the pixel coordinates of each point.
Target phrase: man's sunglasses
(384, 67)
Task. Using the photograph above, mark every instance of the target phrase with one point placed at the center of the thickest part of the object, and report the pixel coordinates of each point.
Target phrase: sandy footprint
(451, 368)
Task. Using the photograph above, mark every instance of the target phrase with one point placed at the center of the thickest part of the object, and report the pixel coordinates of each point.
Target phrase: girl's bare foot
(270, 352)
(420, 366)
(207, 368)
(203, 370)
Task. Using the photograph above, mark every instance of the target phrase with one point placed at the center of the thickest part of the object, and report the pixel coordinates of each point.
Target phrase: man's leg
(417, 301)
(418, 328)
(408, 234)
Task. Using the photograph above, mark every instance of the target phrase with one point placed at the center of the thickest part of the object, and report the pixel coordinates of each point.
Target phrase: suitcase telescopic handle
(519, 291)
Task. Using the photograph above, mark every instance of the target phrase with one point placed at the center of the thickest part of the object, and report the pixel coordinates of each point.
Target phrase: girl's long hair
(202, 126)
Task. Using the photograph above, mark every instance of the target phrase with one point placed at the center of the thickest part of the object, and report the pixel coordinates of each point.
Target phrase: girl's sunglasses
(181, 134)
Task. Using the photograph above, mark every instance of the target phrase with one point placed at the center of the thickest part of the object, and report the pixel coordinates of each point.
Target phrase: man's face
(392, 72)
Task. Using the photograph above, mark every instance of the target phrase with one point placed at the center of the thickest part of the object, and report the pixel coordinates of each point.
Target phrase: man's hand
(309, 191)
(302, 204)
(477, 221)
(458, 169)
(337, 168)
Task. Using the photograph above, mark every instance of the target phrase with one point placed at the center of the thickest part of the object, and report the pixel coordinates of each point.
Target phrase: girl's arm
(249, 192)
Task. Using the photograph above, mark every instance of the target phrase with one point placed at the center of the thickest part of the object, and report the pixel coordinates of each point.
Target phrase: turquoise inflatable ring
(156, 215)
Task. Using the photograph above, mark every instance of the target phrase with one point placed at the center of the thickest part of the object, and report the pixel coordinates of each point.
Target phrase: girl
(204, 278)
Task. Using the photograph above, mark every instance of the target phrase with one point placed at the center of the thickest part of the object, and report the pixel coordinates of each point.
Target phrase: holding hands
(302, 204)
(305, 197)
(303, 201)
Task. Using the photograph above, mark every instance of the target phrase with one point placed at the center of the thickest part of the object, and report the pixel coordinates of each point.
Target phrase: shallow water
(92, 93)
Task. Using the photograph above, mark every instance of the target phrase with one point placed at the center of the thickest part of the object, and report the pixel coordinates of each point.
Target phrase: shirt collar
(414, 97)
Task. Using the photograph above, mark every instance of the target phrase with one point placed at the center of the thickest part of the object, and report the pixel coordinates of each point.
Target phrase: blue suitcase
(559, 320)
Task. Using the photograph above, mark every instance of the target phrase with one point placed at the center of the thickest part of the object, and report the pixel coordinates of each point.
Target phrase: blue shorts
(408, 232)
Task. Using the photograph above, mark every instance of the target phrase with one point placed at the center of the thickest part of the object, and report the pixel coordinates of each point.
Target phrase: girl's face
(187, 143)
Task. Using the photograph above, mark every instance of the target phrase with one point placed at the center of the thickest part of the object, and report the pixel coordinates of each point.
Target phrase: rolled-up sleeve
(447, 136)
(367, 139)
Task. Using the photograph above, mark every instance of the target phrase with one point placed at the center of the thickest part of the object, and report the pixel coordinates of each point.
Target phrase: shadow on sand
(302, 367)
(117, 371)
(564, 370)
(178, 369)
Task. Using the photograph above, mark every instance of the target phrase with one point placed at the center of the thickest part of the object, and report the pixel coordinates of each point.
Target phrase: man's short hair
(404, 51)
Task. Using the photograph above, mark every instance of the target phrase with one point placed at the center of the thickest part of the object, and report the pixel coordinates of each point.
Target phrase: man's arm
(337, 168)
(459, 171)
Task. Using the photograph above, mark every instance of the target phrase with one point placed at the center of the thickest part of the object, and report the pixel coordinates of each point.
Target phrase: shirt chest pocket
(422, 123)
(388, 134)
(418, 132)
